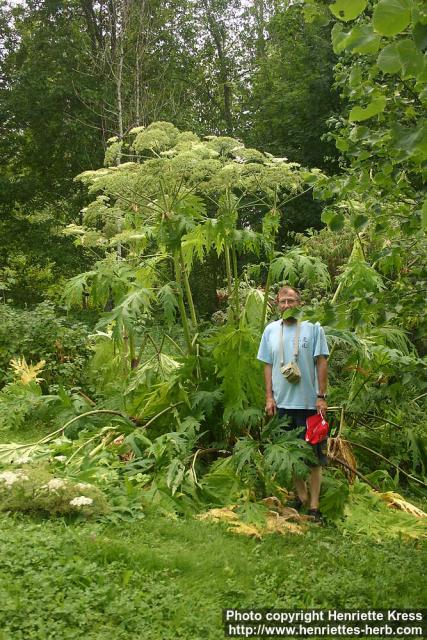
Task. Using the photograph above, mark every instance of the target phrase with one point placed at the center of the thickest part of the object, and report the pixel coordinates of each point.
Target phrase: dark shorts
(297, 418)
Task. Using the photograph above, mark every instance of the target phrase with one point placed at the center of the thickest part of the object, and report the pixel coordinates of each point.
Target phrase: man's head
(288, 298)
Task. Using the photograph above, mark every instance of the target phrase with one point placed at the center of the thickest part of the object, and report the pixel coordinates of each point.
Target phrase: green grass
(163, 579)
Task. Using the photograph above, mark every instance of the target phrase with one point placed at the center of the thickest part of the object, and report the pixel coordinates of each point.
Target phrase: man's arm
(270, 405)
(322, 379)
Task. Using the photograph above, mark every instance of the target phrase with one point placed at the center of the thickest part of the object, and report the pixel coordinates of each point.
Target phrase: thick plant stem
(83, 415)
(172, 406)
(265, 303)
(132, 352)
(228, 271)
(236, 284)
(379, 455)
(77, 451)
(188, 292)
(357, 473)
(181, 306)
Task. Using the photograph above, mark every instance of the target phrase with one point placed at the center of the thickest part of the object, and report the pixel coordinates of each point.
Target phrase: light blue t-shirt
(312, 343)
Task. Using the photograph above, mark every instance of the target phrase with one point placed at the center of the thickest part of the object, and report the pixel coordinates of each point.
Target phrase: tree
(291, 93)
(44, 141)
(383, 140)
(43, 144)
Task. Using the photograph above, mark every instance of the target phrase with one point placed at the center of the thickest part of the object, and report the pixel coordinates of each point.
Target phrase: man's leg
(315, 482)
(301, 489)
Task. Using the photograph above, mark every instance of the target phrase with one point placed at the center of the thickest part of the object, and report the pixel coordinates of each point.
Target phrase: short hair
(289, 288)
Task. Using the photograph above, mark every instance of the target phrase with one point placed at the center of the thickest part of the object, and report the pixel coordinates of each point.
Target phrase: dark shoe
(316, 515)
(296, 504)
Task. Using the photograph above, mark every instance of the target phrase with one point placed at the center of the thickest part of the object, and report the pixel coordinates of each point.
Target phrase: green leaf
(364, 39)
(424, 216)
(169, 302)
(335, 221)
(391, 16)
(355, 78)
(389, 60)
(357, 114)
(316, 13)
(338, 37)
(335, 497)
(221, 485)
(413, 62)
(175, 475)
(348, 9)
(246, 452)
(411, 140)
(402, 57)
(359, 133)
(283, 268)
(342, 144)
(420, 35)
(359, 222)
(360, 39)
(253, 513)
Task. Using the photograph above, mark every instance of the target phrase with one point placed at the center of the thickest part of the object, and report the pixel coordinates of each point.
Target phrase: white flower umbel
(22, 460)
(81, 501)
(83, 486)
(10, 477)
(60, 458)
(54, 484)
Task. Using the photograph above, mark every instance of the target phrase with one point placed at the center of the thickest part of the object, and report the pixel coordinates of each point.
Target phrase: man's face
(287, 300)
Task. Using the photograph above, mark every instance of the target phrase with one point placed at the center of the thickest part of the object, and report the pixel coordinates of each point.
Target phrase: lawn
(161, 578)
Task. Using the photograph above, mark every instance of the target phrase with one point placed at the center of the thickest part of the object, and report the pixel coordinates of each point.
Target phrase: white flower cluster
(10, 477)
(81, 501)
(82, 486)
(22, 459)
(55, 484)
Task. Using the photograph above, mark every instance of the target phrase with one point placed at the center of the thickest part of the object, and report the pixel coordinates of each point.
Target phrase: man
(306, 397)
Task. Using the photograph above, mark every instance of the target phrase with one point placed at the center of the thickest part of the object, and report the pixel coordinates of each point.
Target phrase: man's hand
(270, 407)
(321, 406)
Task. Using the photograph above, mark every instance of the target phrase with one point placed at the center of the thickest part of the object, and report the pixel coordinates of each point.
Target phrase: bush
(36, 490)
(38, 334)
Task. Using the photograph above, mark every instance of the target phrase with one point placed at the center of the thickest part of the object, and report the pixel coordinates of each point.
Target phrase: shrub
(36, 490)
(39, 334)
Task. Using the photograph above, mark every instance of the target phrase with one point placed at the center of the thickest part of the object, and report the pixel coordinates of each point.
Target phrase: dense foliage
(162, 402)
(77, 72)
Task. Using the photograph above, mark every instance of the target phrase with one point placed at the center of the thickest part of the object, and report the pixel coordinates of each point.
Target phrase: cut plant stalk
(379, 455)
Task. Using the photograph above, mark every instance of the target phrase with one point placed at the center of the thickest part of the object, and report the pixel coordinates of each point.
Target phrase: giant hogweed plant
(177, 200)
